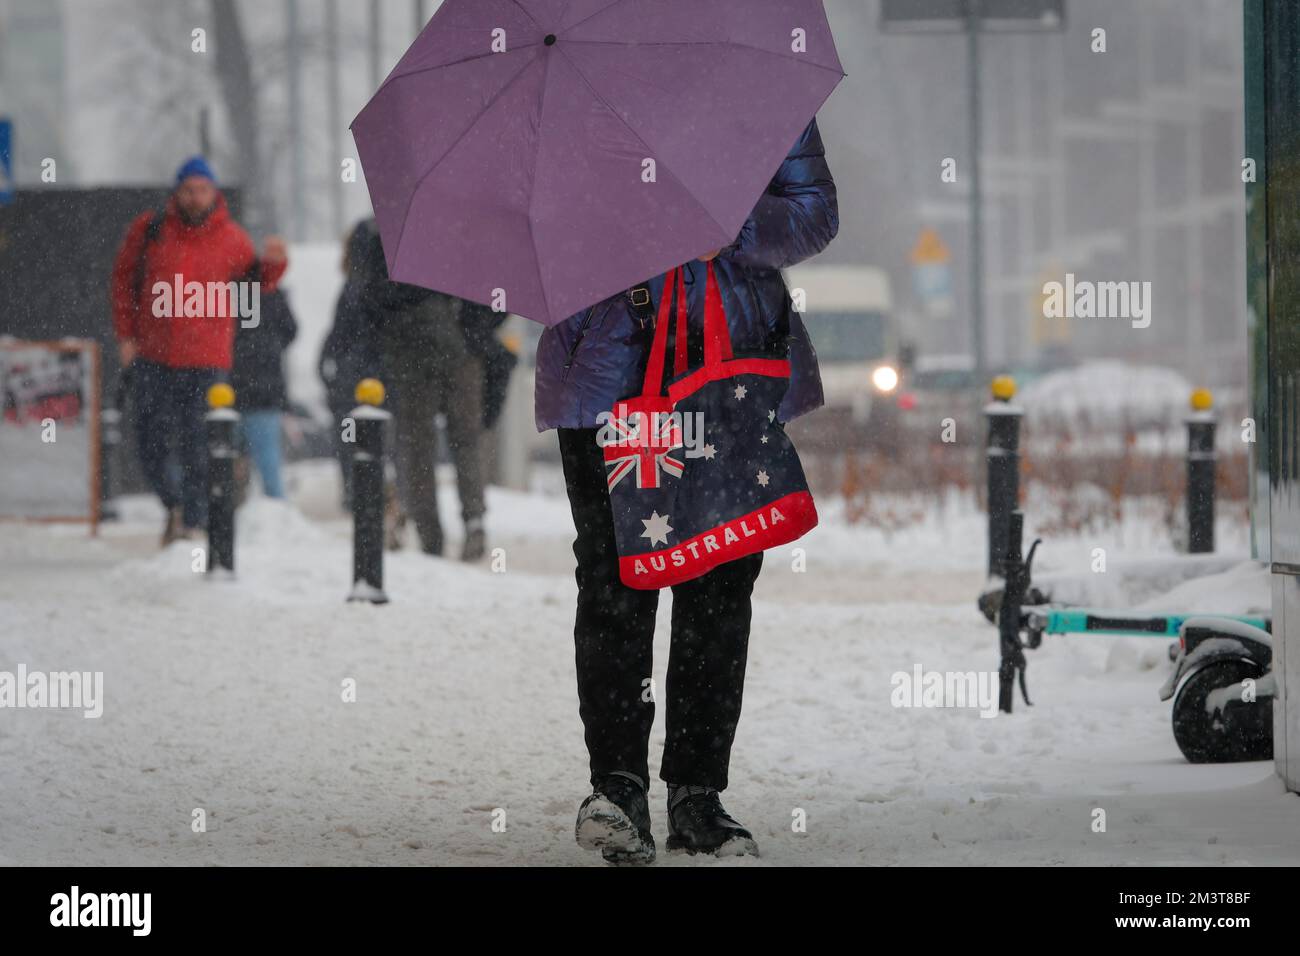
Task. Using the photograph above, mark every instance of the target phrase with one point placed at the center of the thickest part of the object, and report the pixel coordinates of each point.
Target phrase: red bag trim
(719, 360)
(754, 532)
(773, 368)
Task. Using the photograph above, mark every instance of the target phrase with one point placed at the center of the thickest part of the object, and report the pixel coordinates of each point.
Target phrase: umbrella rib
(743, 46)
(447, 152)
(532, 239)
(590, 16)
(526, 13)
(604, 102)
(439, 66)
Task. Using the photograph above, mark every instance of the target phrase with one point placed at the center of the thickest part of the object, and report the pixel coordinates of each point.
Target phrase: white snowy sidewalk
(226, 696)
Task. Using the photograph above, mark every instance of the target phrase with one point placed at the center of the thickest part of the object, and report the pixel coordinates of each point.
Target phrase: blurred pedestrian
(257, 375)
(350, 352)
(432, 369)
(183, 277)
(480, 325)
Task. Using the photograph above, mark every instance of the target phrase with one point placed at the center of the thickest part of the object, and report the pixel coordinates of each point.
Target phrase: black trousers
(434, 372)
(614, 642)
(171, 435)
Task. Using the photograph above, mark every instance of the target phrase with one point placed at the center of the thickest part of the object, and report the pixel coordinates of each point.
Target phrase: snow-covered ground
(227, 696)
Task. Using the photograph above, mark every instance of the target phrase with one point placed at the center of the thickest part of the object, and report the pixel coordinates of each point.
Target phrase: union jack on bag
(628, 453)
(704, 474)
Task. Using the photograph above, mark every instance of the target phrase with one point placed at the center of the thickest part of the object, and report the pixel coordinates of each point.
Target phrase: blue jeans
(171, 435)
(262, 432)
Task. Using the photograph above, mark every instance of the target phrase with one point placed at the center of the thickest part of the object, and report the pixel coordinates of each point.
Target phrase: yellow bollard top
(370, 391)
(221, 395)
(1202, 400)
(1003, 388)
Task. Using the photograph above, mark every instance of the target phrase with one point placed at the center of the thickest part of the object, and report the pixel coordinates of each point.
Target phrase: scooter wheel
(1243, 732)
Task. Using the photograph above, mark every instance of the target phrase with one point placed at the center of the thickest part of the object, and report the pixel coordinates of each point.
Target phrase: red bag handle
(717, 336)
(680, 360)
(654, 370)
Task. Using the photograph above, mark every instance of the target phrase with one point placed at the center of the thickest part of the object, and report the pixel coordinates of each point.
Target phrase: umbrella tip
(550, 39)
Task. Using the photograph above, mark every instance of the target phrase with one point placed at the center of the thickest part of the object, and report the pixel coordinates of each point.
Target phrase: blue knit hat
(194, 166)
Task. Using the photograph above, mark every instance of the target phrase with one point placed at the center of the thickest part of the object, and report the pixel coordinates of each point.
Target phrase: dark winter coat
(257, 373)
(403, 320)
(593, 359)
(350, 352)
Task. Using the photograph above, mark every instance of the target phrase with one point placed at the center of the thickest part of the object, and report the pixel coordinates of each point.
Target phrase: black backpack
(151, 233)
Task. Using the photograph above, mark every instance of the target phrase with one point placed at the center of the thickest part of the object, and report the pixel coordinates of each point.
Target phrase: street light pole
(970, 16)
(976, 198)
(296, 185)
(335, 111)
(376, 25)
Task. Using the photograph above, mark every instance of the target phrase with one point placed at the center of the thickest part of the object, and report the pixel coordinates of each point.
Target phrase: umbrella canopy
(538, 156)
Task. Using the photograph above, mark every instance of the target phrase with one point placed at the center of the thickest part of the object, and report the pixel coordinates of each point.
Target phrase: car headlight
(885, 378)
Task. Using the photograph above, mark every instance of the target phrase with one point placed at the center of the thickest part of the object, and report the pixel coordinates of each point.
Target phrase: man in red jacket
(182, 279)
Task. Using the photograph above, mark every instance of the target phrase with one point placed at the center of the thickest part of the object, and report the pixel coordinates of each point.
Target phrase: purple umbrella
(539, 156)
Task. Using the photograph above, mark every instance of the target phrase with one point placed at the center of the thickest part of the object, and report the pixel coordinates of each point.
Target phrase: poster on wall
(49, 431)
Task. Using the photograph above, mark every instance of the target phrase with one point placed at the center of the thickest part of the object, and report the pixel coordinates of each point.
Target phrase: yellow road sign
(930, 249)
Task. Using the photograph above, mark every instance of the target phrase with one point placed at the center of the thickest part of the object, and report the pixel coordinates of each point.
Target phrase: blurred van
(849, 313)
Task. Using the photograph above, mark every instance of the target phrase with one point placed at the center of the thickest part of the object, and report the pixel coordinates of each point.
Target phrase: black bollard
(1003, 467)
(1201, 462)
(1015, 569)
(110, 444)
(368, 422)
(222, 423)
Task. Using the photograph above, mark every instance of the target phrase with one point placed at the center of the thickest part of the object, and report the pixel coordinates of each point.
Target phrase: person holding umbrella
(544, 159)
(588, 363)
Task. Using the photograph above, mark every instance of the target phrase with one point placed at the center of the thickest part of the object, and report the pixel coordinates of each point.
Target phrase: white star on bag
(656, 528)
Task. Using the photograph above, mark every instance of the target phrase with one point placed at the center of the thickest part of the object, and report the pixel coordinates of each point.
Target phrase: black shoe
(430, 538)
(173, 528)
(615, 819)
(475, 546)
(394, 531)
(697, 823)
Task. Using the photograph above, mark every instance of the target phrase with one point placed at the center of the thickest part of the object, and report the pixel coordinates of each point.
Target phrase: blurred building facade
(1122, 165)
